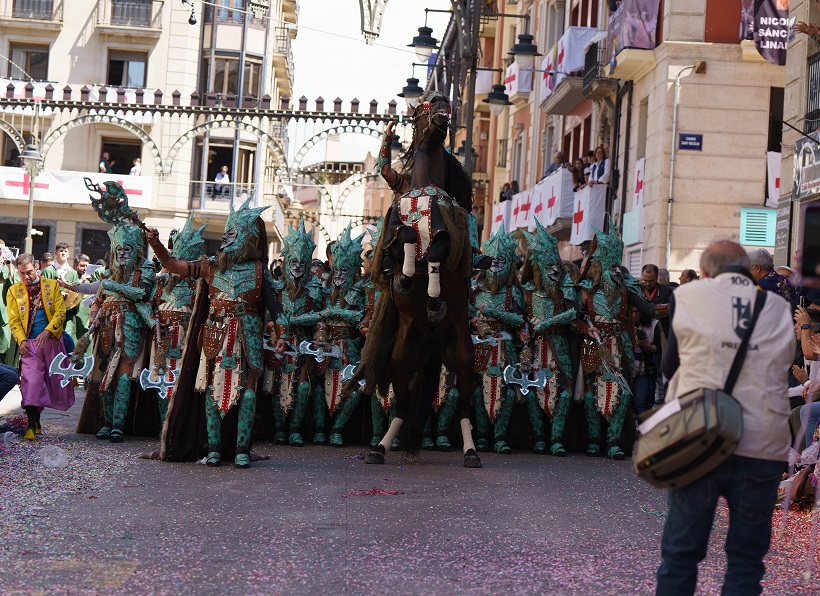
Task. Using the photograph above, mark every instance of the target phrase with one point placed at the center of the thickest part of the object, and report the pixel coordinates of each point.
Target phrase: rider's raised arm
(395, 181)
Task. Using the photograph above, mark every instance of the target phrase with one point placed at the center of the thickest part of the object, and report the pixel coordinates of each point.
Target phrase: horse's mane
(458, 185)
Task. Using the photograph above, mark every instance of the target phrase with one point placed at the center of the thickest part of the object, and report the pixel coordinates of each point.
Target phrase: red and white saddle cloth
(419, 209)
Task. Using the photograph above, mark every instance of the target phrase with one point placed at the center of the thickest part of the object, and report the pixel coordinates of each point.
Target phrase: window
(32, 9)
(15, 236)
(136, 13)
(226, 75)
(643, 121)
(126, 69)
(757, 227)
(95, 244)
(28, 61)
(122, 154)
(231, 10)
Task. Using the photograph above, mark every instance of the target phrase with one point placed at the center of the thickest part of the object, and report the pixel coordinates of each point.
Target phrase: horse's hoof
(471, 459)
(436, 309)
(376, 455)
(558, 450)
(540, 448)
(427, 444)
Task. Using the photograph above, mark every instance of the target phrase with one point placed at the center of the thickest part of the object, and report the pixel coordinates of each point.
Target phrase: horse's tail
(423, 389)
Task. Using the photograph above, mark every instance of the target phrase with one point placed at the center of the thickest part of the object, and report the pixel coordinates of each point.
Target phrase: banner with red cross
(553, 198)
(501, 212)
(590, 208)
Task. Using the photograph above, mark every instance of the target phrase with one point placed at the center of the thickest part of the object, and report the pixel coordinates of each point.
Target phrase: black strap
(737, 364)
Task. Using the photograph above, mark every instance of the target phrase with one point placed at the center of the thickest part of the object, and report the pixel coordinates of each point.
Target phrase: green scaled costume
(123, 324)
(230, 359)
(174, 302)
(445, 404)
(301, 295)
(552, 303)
(497, 308)
(8, 348)
(337, 345)
(608, 296)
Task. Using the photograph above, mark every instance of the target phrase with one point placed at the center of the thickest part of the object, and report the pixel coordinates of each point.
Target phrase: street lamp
(498, 99)
(424, 43)
(524, 52)
(33, 160)
(411, 92)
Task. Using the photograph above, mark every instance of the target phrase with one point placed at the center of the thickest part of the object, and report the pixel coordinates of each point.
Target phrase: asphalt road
(305, 522)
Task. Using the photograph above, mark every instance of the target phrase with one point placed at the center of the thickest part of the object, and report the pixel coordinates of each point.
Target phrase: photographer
(709, 319)
(647, 346)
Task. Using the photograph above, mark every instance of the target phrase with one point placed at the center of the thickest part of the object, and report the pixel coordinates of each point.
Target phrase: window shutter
(757, 227)
(633, 262)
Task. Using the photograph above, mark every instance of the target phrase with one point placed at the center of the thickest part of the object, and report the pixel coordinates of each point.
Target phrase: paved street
(524, 524)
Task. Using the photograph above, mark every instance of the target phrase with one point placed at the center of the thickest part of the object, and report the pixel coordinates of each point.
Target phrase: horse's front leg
(461, 361)
(401, 390)
(437, 252)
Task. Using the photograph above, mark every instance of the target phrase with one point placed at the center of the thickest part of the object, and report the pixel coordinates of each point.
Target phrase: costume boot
(445, 418)
(108, 411)
(482, 420)
(502, 421)
(281, 436)
(593, 422)
(244, 427)
(213, 421)
(559, 421)
(616, 425)
(536, 416)
(31, 415)
(342, 416)
(427, 439)
(298, 413)
(319, 414)
(121, 399)
(162, 404)
(378, 419)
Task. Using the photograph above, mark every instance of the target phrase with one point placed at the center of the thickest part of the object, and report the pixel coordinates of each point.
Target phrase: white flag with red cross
(501, 212)
(589, 212)
(773, 163)
(553, 199)
(523, 210)
(547, 78)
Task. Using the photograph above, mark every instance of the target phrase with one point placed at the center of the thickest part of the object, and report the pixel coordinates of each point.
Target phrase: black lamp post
(411, 92)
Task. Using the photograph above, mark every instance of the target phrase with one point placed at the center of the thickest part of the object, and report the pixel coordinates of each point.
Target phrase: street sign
(690, 141)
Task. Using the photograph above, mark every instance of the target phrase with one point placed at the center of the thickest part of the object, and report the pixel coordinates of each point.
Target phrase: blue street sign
(690, 142)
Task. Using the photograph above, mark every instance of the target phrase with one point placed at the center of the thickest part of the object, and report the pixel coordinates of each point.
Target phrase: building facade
(186, 91)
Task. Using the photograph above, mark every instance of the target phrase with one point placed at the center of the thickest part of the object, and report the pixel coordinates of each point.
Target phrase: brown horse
(421, 320)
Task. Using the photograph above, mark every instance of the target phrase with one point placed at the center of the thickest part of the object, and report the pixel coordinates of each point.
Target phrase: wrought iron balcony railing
(812, 118)
(143, 14)
(41, 10)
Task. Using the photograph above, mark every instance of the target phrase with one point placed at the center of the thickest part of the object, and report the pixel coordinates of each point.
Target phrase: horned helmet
(544, 255)
(297, 251)
(127, 246)
(607, 249)
(501, 248)
(187, 243)
(240, 226)
(347, 259)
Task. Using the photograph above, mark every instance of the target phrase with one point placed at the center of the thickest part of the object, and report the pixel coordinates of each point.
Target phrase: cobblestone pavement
(307, 521)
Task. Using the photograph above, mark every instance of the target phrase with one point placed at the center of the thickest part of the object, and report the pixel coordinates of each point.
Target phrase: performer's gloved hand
(151, 234)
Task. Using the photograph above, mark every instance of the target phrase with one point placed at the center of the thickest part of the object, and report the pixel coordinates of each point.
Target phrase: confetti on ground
(373, 492)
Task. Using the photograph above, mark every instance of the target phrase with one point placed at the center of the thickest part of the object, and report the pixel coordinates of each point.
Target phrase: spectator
(504, 195)
(8, 379)
(687, 275)
(557, 163)
(589, 159)
(579, 179)
(514, 188)
(80, 264)
(762, 269)
(660, 296)
(645, 370)
(46, 261)
(599, 171)
(137, 169)
(60, 268)
(663, 279)
(711, 313)
(105, 163)
(222, 180)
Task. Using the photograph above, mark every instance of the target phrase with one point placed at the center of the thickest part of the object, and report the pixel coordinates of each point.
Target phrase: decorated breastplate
(236, 281)
(295, 306)
(177, 293)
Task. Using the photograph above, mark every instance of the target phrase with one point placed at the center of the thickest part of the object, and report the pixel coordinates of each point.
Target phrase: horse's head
(432, 118)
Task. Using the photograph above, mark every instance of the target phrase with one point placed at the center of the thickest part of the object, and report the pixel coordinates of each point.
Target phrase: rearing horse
(421, 319)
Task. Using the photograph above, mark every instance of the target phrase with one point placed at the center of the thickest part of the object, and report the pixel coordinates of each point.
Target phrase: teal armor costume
(496, 307)
(124, 320)
(174, 303)
(301, 295)
(445, 404)
(608, 295)
(230, 360)
(553, 301)
(337, 345)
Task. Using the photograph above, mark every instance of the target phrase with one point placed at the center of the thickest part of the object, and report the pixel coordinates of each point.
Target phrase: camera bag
(699, 437)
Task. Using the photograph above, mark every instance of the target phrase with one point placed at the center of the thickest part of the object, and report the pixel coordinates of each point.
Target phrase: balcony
(39, 15)
(596, 83)
(283, 59)
(230, 12)
(812, 118)
(140, 19)
(290, 11)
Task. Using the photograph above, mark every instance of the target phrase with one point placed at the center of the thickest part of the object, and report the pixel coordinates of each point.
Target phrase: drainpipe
(629, 88)
(672, 164)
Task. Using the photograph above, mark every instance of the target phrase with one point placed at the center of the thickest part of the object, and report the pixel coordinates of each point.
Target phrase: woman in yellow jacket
(36, 317)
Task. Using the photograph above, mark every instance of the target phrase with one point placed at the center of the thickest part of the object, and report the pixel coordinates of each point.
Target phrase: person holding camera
(645, 373)
(709, 320)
